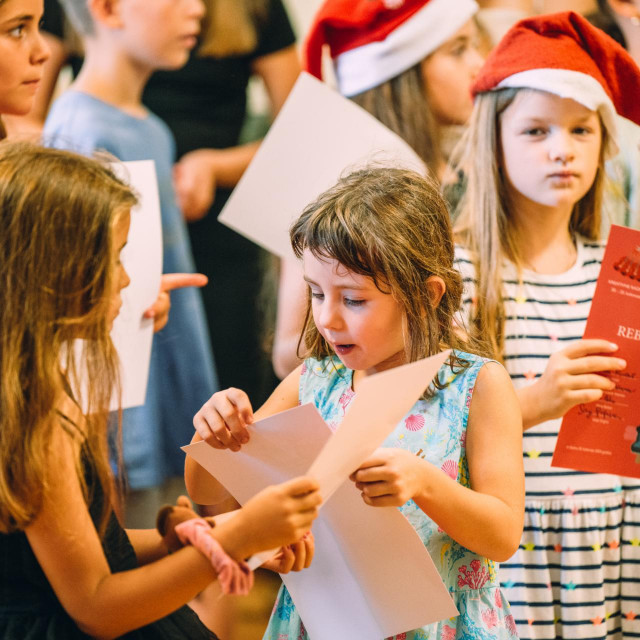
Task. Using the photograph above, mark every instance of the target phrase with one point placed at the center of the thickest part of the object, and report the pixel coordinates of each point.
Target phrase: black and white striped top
(545, 313)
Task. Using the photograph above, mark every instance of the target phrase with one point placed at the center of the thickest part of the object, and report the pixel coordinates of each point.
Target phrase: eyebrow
(24, 18)
(343, 286)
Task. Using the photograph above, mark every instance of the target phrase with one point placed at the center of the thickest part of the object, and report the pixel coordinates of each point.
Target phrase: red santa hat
(564, 54)
(372, 41)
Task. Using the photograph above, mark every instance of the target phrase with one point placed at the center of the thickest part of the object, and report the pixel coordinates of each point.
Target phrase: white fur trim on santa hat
(372, 64)
(576, 85)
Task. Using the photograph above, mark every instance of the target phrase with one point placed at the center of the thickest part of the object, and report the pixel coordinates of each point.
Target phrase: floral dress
(434, 430)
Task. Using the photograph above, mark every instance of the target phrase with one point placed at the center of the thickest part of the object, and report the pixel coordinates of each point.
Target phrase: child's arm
(106, 605)
(488, 517)
(223, 422)
(570, 378)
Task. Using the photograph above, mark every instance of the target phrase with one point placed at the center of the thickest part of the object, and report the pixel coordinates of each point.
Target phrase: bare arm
(486, 518)
(223, 422)
(106, 605)
(292, 305)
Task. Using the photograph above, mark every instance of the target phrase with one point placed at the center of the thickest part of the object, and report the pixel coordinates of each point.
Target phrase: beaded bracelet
(235, 578)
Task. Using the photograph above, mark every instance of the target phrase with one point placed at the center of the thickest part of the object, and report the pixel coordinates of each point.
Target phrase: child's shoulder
(84, 123)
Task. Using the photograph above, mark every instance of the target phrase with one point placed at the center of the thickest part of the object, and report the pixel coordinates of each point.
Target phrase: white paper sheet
(364, 556)
(142, 257)
(317, 136)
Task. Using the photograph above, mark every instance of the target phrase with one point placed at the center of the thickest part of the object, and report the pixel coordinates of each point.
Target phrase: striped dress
(576, 573)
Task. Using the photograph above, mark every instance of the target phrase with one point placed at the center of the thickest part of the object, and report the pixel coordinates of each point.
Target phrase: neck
(542, 234)
(115, 78)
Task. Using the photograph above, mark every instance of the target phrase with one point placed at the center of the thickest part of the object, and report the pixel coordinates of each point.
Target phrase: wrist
(231, 533)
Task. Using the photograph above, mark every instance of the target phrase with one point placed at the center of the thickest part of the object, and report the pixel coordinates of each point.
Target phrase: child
(411, 65)
(65, 219)
(378, 259)
(23, 53)
(542, 125)
(125, 41)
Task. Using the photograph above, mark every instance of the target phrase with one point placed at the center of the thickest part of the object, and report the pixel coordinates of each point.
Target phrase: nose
(327, 316)
(40, 51)
(125, 280)
(476, 60)
(198, 9)
(561, 148)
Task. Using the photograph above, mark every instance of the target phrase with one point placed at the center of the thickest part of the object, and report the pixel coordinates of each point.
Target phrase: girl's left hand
(390, 477)
(293, 557)
(159, 310)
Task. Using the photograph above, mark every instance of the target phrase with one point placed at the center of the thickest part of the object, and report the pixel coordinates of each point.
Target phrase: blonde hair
(483, 224)
(392, 226)
(230, 27)
(57, 265)
(402, 105)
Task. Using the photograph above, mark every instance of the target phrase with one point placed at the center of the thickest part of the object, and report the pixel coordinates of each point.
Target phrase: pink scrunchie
(235, 578)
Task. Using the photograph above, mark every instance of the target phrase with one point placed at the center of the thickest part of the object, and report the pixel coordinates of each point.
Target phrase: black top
(204, 103)
(30, 610)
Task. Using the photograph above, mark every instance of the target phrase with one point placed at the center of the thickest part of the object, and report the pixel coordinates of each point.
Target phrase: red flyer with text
(604, 436)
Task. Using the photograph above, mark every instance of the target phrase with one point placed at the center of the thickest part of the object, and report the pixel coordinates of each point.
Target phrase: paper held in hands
(317, 136)
(604, 436)
(365, 556)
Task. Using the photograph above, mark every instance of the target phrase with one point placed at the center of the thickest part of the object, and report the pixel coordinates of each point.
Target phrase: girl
(65, 220)
(410, 64)
(23, 53)
(378, 259)
(542, 125)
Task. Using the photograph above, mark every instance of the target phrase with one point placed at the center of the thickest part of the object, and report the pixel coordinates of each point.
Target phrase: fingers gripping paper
(365, 556)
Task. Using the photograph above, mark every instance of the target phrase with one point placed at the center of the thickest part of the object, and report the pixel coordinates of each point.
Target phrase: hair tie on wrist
(235, 578)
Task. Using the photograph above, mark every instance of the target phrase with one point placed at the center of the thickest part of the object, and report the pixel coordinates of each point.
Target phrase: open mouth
(344, 349)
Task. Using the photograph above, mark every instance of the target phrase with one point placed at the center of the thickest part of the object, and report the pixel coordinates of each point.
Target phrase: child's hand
(194, 179)
(279, 515)
(571, 377)
(293, 557)
(159, 310)
(223, 419)
(390, 477)
(169, 517)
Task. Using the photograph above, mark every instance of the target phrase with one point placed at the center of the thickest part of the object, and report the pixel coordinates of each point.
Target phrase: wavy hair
(392, 226)
(57, 214)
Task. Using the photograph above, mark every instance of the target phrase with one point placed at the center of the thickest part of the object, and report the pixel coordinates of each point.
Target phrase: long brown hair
(230, 27)
(401, 104)
(56, 264)
(483, 224)
(393, 226)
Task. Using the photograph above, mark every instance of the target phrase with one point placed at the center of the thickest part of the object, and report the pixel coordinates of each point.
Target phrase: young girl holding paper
(542, 126)
(378, 260)
(68, 568)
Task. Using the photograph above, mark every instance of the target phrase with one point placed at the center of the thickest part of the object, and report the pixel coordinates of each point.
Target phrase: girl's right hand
(572, 377)
(223, 419)
(279, 515)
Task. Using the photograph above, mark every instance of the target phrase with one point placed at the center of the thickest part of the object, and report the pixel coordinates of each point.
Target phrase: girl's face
(120, 277)
(550, 149)
(161, 33)
(22, 54)
(448, 73)
(363, 325)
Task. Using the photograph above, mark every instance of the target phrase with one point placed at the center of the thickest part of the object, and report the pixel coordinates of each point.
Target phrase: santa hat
(372, 41)
(565, 55)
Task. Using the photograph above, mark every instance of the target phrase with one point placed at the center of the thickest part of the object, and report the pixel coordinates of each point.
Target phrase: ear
(106, 13)
(436, 289)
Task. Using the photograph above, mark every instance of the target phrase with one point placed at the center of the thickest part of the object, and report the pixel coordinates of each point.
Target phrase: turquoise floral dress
(434, 430)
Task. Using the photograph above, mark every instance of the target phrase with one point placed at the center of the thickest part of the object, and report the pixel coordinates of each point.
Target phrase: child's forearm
(483, 523)
(202, 487)
(148, 545)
